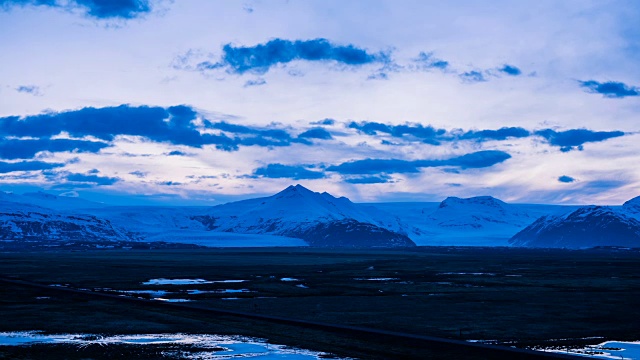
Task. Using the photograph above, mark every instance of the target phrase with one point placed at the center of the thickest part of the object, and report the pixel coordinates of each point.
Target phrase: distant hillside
(585, 227)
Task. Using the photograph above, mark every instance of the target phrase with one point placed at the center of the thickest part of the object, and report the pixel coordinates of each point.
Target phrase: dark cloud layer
(575, 139)
(316, 133)
(7, 167)
(566, 140)
(373, 179)
(92, 179)
(260, 58)
(172, 125)
(99, 9)
(500, 134)
(296, 172)
(427, 134)
(478, 159)
(26, 149)
(610, 89)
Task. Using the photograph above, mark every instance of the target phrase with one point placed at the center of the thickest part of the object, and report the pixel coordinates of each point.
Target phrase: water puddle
(218, 291)
(208, 346)
(376, 279)
(163, 281)
(467, 273)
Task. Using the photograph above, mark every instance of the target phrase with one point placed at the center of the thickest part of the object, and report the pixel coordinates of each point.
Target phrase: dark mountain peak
(295, 190)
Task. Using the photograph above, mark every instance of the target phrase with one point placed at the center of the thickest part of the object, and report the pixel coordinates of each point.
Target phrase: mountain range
(297, 216)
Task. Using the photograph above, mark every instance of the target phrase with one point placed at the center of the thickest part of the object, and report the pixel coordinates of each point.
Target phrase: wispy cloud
(30, 89)
(427, 61)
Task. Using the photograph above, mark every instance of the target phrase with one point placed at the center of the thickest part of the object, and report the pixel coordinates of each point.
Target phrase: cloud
(138, 174)
(256, 82)
(574, 139)
(510, 70)
(374, 179)
(478, 159)
(500, 134)
(316, 133)
(426, 61)
(98, 9)
(92, 179)
(260, 58)
(29, 89)
(324, 122)
(566, 179)
(26, 149)
(7, 167)
(610, 89)
(567, 140)
(175, 125)
(176, 153)
(473, 77)
(295, 172)
(427, 134)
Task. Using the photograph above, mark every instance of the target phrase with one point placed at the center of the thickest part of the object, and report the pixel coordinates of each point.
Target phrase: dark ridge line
(517, 353)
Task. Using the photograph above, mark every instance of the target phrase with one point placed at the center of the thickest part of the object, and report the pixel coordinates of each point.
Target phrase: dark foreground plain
(519, 297)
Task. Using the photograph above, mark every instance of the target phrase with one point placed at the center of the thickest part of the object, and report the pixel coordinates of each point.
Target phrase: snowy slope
(318, 218)
(476, 221)
(585, 227)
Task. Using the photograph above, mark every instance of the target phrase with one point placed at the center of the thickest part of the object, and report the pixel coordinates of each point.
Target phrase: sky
(204, 102)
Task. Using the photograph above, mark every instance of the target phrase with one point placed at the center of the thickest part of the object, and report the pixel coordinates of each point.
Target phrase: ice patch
(606, 350)
(289, 279)
(171, 300)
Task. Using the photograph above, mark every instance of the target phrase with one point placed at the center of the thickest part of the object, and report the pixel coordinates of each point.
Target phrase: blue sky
(201, 102)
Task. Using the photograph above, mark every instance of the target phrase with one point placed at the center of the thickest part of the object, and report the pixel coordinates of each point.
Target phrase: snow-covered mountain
(319, 218)
(588, 226)
(475, 221)
(27, 222)
(294, 217)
